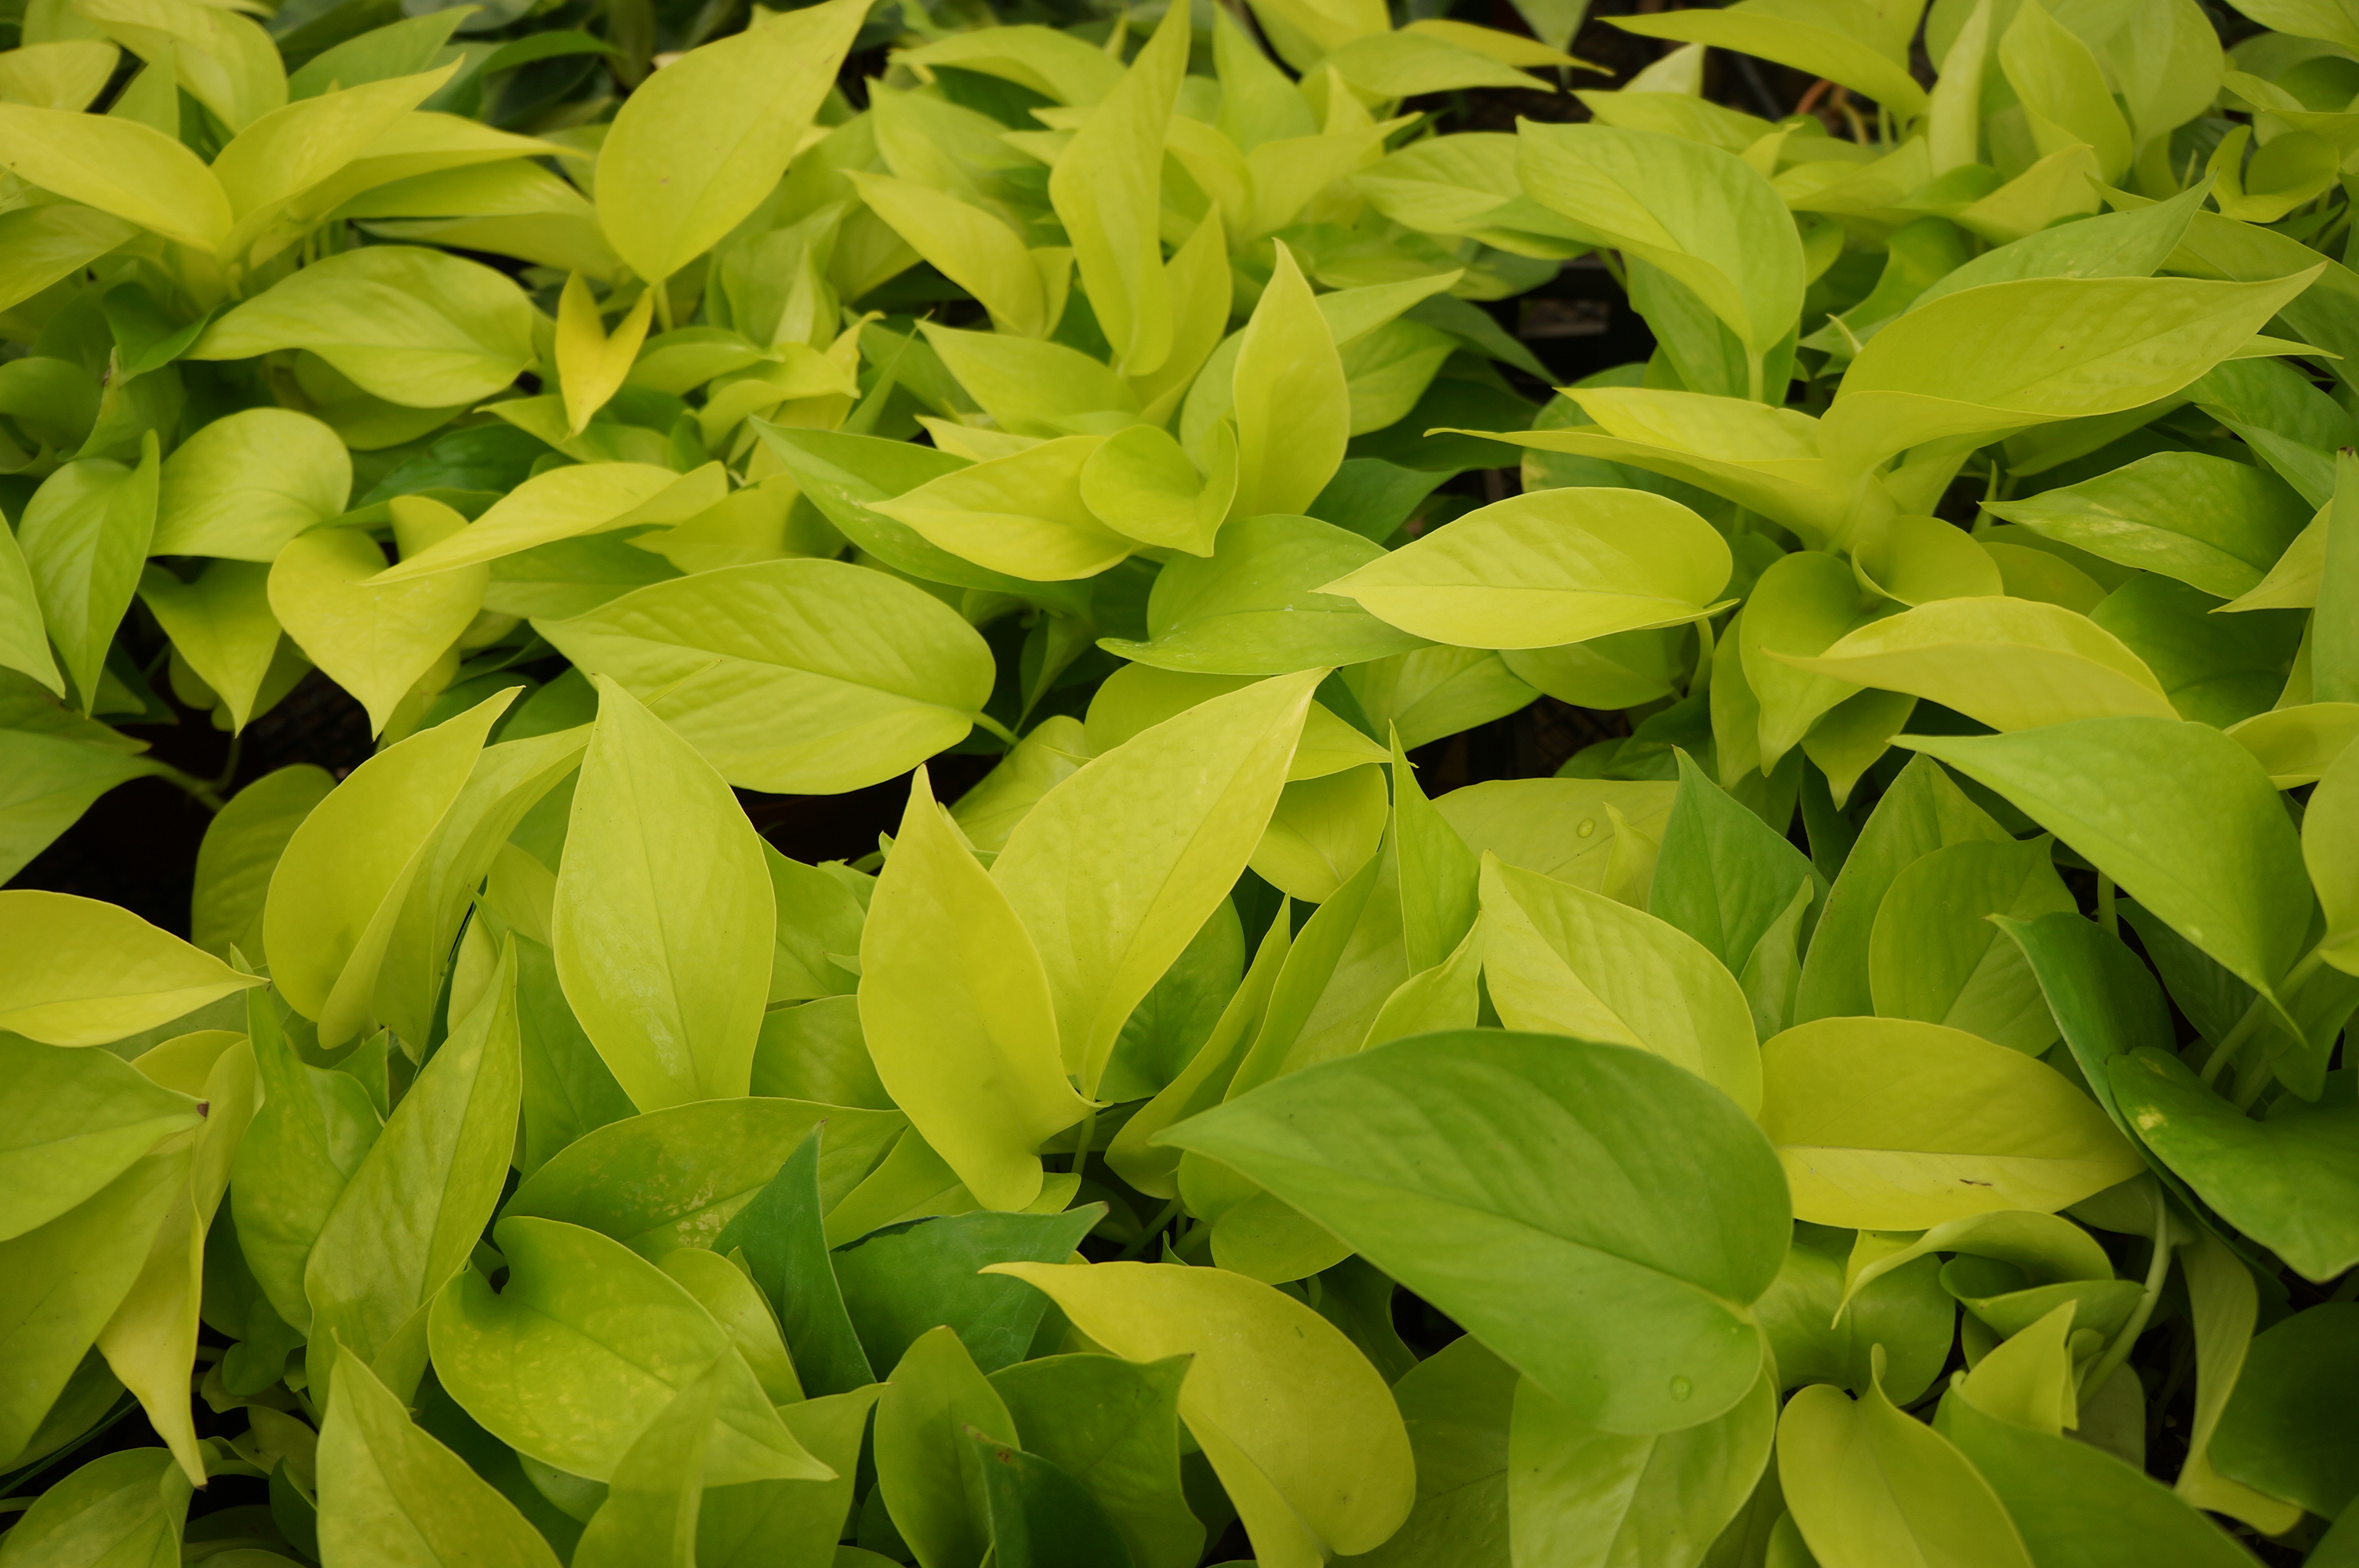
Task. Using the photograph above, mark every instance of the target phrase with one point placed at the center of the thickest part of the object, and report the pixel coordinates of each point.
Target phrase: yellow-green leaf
(76, 1120)
(65, 74)
(584, 1345)
(562, 503)
(240, 849)
(375, 642)
(1549, 568)
(418, 327)
(270, 164)
(83, 534)
(1870, 1486)
(663, 917)
(1889, 1124)
(341, 878)
(1137, 697)
(411, 1216)
(222, 624)
(1762, 458)
(118, 166)
(1140, 484)
(1323, 830)
(223, 60)
(1293, 407)
(974, 249)
(151, 1339)
(1698, 214)
(74, 971)
(2014, 664)
(1560, 959)
(1866, 48)
(2204, 843)
(390, 1494)
(2010, 354)
(1116, 869)
(955, 1007)
(241, 486)
(1022, 513)
(794, 676)
(1107, 188)
(591, 364)
(1298, 1426)
(704, 139)
(41, 245)
(2063, 91)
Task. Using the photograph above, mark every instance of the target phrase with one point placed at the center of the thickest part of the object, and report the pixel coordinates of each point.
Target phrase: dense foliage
(1887, 1103)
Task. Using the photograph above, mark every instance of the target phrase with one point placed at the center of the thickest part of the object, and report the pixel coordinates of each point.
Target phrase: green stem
(2106, 916)
(2157, 1272)
(2225, 1052)
(1699, 679)
(2309, 964)
(2253, 1015)
(985, 721)
(229, 766)
(204, 793)
(1082, 1140)
(1154, 1228)
(2333, 229)
(2254, 1076)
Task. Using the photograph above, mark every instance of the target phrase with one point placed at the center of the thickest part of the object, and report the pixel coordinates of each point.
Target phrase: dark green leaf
(1724, 876)
(1614, 1183)
(1113, 1425)
(900, 1281)
(781, 1232)
(1457, 1404)
(2078, 1506)
(2291, 1429)
(1040, 1517)
(2290, 1182)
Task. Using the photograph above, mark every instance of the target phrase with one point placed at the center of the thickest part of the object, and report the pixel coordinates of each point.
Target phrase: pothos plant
(546, 1167)
(249, 357)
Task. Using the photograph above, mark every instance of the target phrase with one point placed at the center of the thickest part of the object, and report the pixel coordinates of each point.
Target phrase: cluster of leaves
(249, 357)
(543, 1168)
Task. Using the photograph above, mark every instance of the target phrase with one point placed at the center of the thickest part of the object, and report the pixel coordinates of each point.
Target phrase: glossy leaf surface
(1649, 1134)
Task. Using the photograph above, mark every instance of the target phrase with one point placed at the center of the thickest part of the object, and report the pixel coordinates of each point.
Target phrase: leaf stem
(228, 775)
(2303, 968)
(204, 793)
(987, 722)
(2158, 1271)
(2106, 916)
(2258, 1009)
(2255, 1076)
(1154, 1228)
(2225, 1052)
